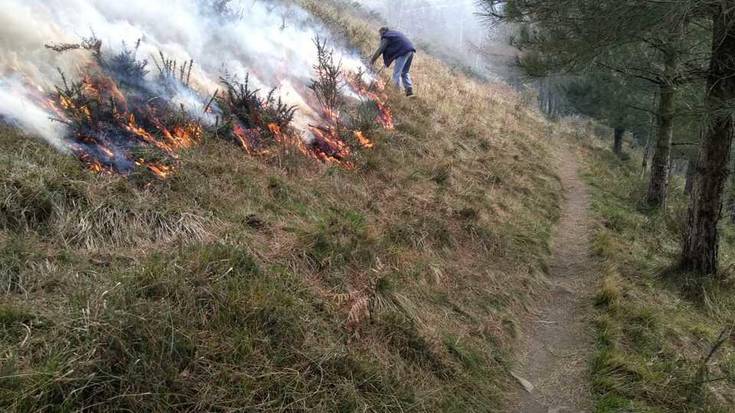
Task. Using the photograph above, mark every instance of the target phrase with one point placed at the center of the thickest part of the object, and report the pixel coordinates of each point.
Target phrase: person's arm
(381, 49)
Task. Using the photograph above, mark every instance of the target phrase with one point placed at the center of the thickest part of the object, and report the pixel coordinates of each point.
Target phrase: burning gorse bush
(259, 124)
(118, 120)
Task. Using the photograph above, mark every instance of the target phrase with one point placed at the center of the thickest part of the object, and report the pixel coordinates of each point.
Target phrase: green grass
(652, 333)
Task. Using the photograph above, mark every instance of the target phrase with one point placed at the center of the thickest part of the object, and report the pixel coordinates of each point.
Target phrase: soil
(553, 362)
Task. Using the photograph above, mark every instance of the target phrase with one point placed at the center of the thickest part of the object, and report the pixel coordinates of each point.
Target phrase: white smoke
(270, 40)
(452, 30)
(16, 106)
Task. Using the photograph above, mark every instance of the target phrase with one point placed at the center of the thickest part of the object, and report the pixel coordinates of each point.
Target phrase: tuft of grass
(472, 361)
(10, 316)
(402, 335)
(610, 292)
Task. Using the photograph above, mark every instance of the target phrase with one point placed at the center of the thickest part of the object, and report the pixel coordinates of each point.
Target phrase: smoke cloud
(16, 107)
(271, 41)
(453, 30)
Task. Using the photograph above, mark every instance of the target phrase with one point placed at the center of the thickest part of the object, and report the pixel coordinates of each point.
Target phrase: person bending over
(395, 47)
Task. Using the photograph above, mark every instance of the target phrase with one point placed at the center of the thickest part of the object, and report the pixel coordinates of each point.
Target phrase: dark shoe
(409, 93)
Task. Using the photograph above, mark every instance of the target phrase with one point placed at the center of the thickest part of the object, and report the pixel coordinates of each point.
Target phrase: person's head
(383, 30)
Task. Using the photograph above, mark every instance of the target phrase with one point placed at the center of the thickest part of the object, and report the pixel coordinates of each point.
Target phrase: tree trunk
(635, 143)
(691, 173)
(662, 152)
(618, 141)
(649, 135)
(700, 250)
(646, 155)
(730, 194)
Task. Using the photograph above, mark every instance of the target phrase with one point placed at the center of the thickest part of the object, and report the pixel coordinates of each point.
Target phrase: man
(395, 47)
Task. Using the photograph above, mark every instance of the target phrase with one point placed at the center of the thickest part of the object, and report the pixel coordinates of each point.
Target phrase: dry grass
(285, 285)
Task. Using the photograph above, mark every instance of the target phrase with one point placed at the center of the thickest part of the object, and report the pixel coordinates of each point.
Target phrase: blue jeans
(401, 71)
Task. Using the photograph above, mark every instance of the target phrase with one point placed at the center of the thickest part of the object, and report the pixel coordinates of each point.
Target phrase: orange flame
(385, 115)
(114, 113)
(365, 142)
(329, 147)
(161, 171)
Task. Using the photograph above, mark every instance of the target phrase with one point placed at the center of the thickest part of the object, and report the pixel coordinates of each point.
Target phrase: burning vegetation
(260, 125)
(344, 121)
(257, 124)
(120, 120)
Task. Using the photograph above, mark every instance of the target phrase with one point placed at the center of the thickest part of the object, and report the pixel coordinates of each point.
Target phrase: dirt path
(559, 340)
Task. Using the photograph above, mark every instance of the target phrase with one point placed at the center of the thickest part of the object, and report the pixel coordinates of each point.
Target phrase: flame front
(374, 93)
(107, 129)
(110, 127)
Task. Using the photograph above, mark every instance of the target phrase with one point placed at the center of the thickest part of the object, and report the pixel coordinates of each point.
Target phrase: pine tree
(649, 41)
(670, 44)
(701, 243)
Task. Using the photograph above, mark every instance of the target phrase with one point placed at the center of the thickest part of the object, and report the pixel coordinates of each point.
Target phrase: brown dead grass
(396, 286)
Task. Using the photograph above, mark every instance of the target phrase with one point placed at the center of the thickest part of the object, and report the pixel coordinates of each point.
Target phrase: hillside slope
(656, 342)
(283, 285)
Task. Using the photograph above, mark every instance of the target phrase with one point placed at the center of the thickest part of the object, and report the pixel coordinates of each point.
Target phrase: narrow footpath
(553, 362)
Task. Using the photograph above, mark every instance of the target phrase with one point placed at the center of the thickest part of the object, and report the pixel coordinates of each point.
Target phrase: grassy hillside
(653, 332)
(282, 285)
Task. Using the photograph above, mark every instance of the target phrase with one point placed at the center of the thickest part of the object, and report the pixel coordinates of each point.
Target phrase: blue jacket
(396, 45)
